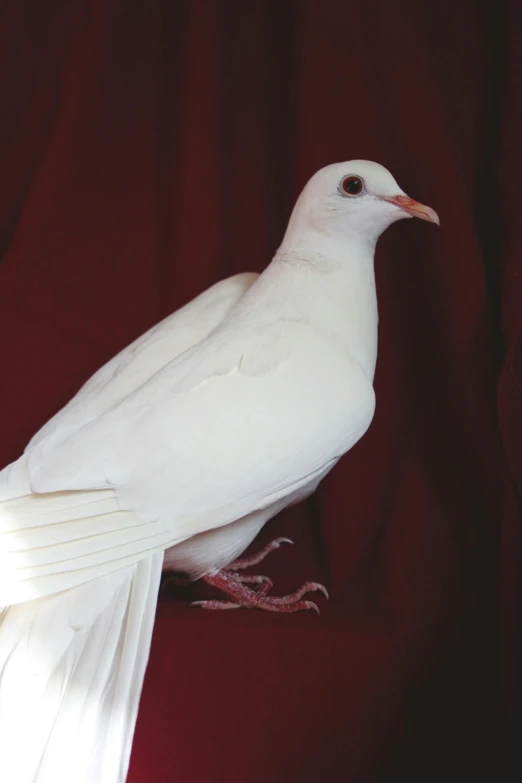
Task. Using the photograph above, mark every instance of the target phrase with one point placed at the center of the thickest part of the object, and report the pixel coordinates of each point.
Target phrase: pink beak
(413, 208)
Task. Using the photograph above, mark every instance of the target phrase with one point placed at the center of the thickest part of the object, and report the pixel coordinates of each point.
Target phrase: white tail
(71, 671)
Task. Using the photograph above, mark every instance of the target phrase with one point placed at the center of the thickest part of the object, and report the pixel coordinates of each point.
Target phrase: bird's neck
(330, 285)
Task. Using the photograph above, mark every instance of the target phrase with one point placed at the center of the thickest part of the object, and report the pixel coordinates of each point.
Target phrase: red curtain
(151, 147)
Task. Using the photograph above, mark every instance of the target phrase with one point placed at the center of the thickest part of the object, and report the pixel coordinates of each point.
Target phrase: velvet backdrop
(152, 147)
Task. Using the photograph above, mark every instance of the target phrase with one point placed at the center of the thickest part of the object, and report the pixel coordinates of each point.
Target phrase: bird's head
(358, 199)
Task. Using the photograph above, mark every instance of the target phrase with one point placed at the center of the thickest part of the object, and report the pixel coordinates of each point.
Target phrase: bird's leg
(243, 596)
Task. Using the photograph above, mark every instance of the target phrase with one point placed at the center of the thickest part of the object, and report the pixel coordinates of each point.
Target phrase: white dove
(187, 441)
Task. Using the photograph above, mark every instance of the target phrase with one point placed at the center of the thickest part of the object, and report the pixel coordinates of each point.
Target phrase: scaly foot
(235, 586)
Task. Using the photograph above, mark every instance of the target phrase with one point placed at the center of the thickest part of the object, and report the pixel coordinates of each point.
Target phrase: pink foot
(235, 586)
(244, 596)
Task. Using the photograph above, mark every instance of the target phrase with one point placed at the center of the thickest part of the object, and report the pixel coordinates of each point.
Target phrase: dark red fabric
(152, 147)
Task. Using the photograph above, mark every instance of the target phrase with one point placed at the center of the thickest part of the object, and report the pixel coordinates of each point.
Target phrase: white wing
(231, 426)
(140, 360)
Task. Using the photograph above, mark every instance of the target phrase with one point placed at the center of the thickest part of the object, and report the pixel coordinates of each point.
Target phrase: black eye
(352, 186)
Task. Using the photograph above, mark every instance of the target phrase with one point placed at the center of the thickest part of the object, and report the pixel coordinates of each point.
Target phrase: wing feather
(213, 436)
(143, 358)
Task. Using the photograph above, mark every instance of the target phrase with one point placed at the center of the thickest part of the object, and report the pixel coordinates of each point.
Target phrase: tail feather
(71, 672)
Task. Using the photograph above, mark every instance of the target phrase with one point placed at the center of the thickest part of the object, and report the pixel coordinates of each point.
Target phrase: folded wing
(234, 424)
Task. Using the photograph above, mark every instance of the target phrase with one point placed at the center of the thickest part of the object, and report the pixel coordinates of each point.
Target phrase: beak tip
(413, 208)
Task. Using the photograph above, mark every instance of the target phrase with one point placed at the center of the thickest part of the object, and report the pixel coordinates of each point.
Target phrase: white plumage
(188, 441)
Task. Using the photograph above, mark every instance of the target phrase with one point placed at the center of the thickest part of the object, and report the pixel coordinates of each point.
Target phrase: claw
(322, 589)
(283, 541)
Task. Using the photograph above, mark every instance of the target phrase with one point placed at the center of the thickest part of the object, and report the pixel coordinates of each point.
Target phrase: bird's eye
(352, 186)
